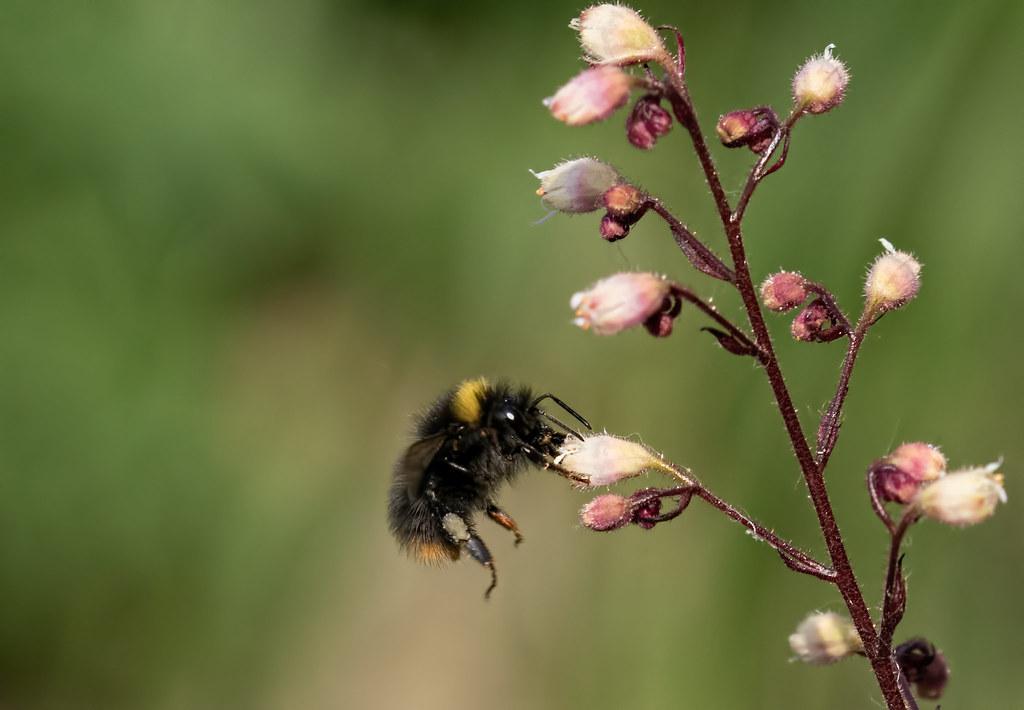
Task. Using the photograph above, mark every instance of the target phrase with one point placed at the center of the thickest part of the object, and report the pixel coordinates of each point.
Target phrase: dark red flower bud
(811, 322)
(753, 127)
(647, 122)
(613, 229)
(624, 200)
(925, 666)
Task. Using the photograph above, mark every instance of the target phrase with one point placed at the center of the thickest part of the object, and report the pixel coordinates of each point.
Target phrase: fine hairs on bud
(616, 34)
(820, 84)
(603, 459)
(892, 281)
(621, 301)
(824, 638)
(576, 185)
(592, 95)
(963, 498)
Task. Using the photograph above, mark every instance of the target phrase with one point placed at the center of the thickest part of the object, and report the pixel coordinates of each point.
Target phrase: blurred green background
(242, 242)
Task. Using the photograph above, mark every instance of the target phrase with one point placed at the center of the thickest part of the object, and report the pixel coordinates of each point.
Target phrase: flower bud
(809, 324)
(893, 279)
(820, 83)
(750, 127)
(824, 638)
(900, 475)
(603, 459)
(647, 122)
(576, 185)
(964, 497)
(925, 666)
(620, 301)
(615, 34)
(613, 229)
(592, 95)
(783, 291)
(607, 512)
(624, 200)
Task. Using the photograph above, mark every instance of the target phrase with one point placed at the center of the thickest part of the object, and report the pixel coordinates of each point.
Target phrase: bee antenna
(568, 429)
(563, 405)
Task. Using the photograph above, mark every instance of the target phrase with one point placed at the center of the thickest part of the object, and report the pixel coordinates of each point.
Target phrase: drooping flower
(576, 185)
(620, 301)
(825, 637)
(615, 34)
(963, 497)
(592, 95)
(603, 459)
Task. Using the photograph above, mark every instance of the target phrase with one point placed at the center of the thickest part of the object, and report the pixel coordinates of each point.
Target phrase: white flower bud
(619, 302)
(603, 459)
(576, 185)
(592, 95)
(820, 83)
(824, 638)
(893, 279)
(963, 497)
(615, 34)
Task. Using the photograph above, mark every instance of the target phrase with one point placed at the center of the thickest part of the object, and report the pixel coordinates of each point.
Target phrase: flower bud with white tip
(963, 497)
(824, 638)
(820, 84)
(592, 95)
(576, 185)
(783, 291)
(621, 301)
(602, 459)
(615, 34)
(893, 280)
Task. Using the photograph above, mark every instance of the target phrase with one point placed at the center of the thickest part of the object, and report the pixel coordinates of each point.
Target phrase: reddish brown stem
(831, 421)
(880, 656)
(688, 295)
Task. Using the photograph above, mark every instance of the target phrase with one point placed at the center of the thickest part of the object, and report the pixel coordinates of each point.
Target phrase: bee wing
(416, 461)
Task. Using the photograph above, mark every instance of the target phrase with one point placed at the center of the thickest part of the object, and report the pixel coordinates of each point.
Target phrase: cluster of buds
(753, 128)
(611, 511)
(825, 637)
(785, 291)
(647, 122)
(915, 474)
(625, 300)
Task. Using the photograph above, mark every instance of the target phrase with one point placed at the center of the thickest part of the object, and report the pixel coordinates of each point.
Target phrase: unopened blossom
(647, 122)
(810, 323)
(603, 459)
(892, 280)
(576, 185)
(964, 497)
(753, 127)
(824, 638)
(615, 34)
(783, 291)
(619, 302)
(609, 511)
(900, 475)
(820, 84)
(592, 95)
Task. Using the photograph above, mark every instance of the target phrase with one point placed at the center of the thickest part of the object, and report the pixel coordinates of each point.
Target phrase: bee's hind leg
(504, 520)
(464, 536)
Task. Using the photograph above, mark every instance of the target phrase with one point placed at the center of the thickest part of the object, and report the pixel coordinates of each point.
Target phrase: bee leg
(479, 552)
(504, 520)
(461, 534)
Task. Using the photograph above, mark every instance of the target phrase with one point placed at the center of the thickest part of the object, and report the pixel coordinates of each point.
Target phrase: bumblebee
(467, 444)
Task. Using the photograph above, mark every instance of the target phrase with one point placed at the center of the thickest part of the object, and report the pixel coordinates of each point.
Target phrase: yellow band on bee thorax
(466, 403)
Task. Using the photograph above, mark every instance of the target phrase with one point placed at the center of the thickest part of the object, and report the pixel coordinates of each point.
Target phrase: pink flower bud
(750, 127)
(824, 638)
(619, 302)
(783, 291)
(647, 122)
(576, 185)
(810, 323)
(900, 475)
(603, 459)
(893, 279)
(820, 83)
(615, 34)
(607, 512)
(964, 497)
(592, 95)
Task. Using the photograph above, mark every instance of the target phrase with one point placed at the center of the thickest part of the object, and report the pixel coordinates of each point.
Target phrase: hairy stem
(831, 421)
(881, 657)
(689, 296)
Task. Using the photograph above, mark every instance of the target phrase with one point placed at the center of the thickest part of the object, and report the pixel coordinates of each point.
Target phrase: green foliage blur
(241, 243)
